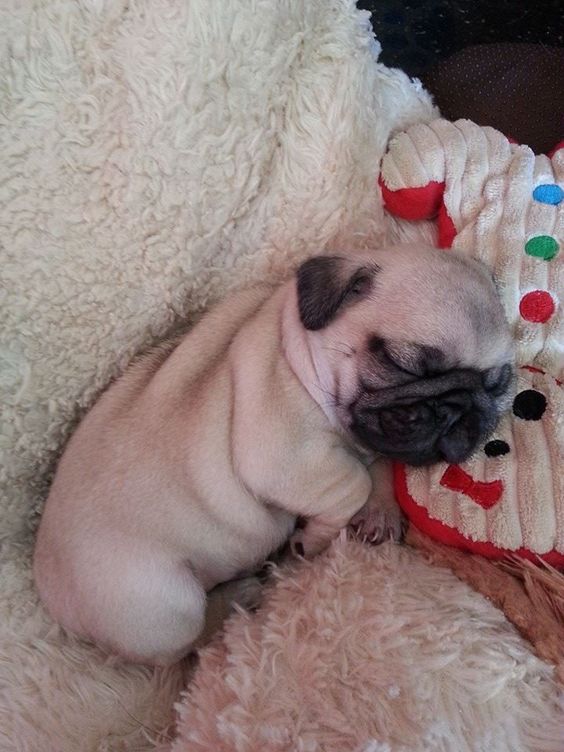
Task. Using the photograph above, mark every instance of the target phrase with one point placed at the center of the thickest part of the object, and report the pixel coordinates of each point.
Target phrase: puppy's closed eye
(409, 357)
(381, 350)
(360, 284)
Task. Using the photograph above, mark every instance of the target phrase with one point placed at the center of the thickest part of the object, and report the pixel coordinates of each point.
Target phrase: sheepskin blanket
(370, 650)
(154, 154)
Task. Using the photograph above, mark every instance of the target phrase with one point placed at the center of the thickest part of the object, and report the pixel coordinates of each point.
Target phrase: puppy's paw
(246, 593)
(306, 543)
(376, 523)
(224, 599)
(297, 545)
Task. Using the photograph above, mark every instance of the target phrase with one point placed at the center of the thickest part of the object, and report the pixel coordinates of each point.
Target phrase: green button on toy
(542, 246)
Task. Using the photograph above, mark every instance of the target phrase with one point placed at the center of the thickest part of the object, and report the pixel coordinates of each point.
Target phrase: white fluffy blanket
(154, 153)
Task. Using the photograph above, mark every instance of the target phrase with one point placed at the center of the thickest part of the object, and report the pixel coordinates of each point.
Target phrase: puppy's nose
(404, 419)
(447, 415)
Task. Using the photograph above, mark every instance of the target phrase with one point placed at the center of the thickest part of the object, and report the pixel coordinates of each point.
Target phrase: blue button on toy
(549, 193)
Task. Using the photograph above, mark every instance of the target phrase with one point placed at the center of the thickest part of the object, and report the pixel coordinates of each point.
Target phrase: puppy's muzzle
(440, 418)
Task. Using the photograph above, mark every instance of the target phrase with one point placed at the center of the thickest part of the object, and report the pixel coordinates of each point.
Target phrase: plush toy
(499, 202)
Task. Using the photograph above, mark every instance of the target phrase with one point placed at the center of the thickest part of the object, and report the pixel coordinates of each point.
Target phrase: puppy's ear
(326, 284)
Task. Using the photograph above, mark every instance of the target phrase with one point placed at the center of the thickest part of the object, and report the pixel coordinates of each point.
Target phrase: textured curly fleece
(371, 650)
(153, 154)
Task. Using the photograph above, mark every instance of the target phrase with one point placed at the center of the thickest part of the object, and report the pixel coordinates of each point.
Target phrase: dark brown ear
(326, 284)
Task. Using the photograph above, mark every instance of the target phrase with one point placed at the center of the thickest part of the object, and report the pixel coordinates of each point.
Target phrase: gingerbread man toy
(497, 201)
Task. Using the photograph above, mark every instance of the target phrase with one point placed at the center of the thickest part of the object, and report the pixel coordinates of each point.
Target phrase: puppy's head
(412, 352)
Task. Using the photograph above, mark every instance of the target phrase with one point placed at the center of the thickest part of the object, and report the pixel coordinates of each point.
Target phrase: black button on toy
(529, 405)
(496, 448)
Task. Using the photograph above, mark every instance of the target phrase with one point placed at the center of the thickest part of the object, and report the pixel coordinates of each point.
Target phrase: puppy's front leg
(341, 501)
(380, 518)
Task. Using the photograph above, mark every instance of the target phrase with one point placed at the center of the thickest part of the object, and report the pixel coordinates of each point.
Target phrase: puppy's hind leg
(153, 613)
(245, 592)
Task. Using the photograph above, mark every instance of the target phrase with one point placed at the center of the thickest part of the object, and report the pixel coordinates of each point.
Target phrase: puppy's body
(186, 473)
(192, 467)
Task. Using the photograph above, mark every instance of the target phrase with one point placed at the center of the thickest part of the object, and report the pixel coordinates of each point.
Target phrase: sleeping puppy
(194, 465)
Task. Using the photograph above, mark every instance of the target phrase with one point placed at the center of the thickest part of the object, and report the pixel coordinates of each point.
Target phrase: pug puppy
(194, 465)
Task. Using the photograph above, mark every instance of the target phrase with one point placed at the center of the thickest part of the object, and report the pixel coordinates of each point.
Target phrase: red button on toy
(537, 306)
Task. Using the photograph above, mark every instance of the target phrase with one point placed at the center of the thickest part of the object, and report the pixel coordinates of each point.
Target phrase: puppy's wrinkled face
(412, 352)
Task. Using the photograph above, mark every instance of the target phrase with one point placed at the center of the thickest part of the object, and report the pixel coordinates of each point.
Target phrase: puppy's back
(98, 487)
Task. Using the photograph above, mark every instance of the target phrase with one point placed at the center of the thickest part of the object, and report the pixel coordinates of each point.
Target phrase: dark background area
(496, 62)
(415, 34)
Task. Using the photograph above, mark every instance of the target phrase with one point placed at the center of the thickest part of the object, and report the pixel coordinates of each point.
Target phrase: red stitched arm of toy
(413, 203)
(426, 202)
(412, 179)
